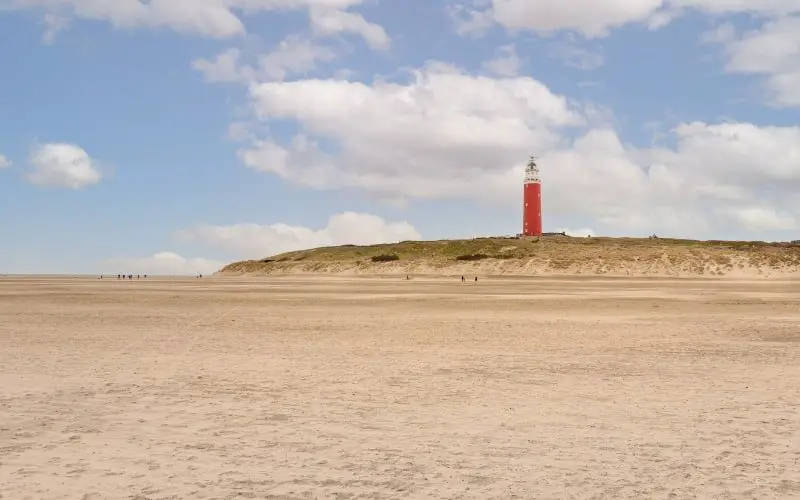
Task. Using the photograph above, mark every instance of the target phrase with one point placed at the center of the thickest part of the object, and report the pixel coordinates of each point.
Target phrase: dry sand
(386, 388)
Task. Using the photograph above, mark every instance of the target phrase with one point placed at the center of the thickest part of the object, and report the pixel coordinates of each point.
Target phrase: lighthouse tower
(532, 201)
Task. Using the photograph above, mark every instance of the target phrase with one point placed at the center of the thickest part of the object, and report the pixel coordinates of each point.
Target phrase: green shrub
(385, 258)
(473, 256)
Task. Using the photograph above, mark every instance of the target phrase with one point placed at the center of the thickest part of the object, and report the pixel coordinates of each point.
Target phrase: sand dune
(386, 388)
(550, 256)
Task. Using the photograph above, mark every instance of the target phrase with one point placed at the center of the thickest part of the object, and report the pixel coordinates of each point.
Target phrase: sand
(386, 388)
(548, 257)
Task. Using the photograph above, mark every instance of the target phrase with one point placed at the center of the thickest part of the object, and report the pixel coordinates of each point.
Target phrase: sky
(174, 136)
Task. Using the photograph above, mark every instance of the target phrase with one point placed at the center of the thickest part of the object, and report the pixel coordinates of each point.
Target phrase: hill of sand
(557, 255)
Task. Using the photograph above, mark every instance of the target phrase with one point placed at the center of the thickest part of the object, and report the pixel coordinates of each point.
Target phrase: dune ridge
(554, 255)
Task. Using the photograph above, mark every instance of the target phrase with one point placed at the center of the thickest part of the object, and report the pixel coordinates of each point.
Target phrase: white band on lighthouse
(532, 172)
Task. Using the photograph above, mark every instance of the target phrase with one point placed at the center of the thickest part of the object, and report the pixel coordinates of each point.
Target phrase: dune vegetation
(556, 255)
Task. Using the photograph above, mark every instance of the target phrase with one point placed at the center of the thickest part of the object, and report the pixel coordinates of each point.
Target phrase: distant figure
(462, 279)
(145, 276)
(476, 279)
(407, 278)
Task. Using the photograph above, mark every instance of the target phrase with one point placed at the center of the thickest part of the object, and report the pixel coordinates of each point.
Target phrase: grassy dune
(556, 255)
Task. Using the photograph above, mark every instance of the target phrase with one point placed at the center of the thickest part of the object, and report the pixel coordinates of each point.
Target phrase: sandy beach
(309, 387)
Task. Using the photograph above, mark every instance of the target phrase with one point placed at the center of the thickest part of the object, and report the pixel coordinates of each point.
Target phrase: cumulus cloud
(294, 55)
(252, 241)
(327, 21)
(596, 19)
(4, 162)
(714, 168)
(224, 68)
(162, 263)
(760, 218)
(210, 18)
(588, 17)
(772, 51)
(205, 17)
(574, 55)
(62, 165)
(468, 20)
(447, 134)
(505, 63)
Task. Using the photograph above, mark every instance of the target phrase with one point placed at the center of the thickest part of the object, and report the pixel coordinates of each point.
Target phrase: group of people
(463, 279)
(138, 276)
(126, 276)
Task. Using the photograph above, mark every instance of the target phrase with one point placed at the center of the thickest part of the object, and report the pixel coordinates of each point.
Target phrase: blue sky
(176, 136)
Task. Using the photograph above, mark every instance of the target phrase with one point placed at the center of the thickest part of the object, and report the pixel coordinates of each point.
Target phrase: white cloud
(224, 68)
(54, 24)
(574, 55)
(770, 8)
(252, 241)
(595, 19)
(589, 17)
(444, 134)
(62, 165)
(294, 55)
(4, 162)
(505, 63)
(448, 134)
(772, 51)
(470, 21)
(162, 263)
(328, 21)
(211, 18)
(723, 33)
(713, 169)
(760, 218)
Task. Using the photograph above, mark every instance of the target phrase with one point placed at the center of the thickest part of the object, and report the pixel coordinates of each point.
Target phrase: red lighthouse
(532, 201)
